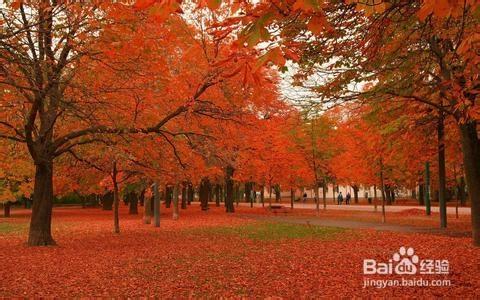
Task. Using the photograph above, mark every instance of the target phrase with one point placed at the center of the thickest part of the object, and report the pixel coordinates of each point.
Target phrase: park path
(351, 224)
(367, 208)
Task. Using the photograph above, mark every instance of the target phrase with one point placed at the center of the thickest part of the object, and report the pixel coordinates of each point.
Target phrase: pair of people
(348, 197)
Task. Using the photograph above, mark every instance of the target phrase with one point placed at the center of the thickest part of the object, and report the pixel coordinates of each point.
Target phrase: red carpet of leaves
(175, 261)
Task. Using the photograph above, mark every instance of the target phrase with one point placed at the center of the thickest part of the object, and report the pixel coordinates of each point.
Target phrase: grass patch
(273, 231)
(13, 228)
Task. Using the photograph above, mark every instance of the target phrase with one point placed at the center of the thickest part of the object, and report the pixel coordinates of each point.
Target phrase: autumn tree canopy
(189, 94)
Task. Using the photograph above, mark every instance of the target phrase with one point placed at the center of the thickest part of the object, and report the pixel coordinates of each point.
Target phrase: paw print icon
(406, 261)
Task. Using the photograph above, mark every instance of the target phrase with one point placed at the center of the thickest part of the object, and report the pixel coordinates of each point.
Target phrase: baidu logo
(405, 262)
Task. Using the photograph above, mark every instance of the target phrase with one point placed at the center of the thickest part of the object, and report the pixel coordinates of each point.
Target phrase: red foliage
(174, 261)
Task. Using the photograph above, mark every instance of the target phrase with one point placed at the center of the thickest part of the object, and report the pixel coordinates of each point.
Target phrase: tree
(53, 55)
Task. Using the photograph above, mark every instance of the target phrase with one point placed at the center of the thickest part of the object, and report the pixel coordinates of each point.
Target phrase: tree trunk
(116, 200)
(461, 192)
(324, 193)
(204, 193)
(242, 194)
(278, 193)
(168, 196)
(427, 189)
(292, 197)
(229, 189)
(471, 161)
(107, 201)
(382, 183)
(217, 195)
(6, 209)
(142, 197)
(175, 202)
(152, 203)
(388, 194)
(40, 233)
(421, 196)
(317, 197)
(333, 192)
(190, 193)
(262, 195)
(156, 205)
(133, 199)
(184, 196)
(252, 194)
(237, 194)
(82, 200)
(248, 188)
(355, 194)
(147, 213)
(442, 182)
(270, 196)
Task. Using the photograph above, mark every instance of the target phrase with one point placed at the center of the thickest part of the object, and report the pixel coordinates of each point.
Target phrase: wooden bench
(278, 208)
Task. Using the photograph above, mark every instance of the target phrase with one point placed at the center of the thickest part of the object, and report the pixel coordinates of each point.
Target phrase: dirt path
(358, 225)
(366, 208)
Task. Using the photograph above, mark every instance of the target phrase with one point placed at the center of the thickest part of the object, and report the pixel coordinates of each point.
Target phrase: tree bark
(388, 194)
(147, 213)
(333, 192)
(427, 189)
(204, 193)
(442, 182)
(6, 209)
(292, 197)
(156, 205)
(237, 194)
(229, 207)
(133, 201)
(141, 198)
(471, 161)
(116, 200)
(248, 188)
(175, 202)
(355, 193)
(324, 193)
(168, 196)
(82, 200)
(262, 195)
(278, 193)
(107, 201)
(184, 196)
(382, 183)
(421, 196)
(40, 233)
(217, 195)
(461, 191)
(270, 196)
(190, 194)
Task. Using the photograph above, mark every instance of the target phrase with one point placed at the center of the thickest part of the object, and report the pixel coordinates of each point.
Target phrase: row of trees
(421, 57)
(172, 92)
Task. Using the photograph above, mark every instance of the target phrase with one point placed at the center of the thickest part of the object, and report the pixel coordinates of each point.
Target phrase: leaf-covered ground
(211, 254)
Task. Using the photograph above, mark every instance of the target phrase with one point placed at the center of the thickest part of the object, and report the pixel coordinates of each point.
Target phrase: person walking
(347, 198)
(340, 198)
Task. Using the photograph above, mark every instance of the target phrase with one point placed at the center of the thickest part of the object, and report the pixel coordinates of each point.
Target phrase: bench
(278, 208)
